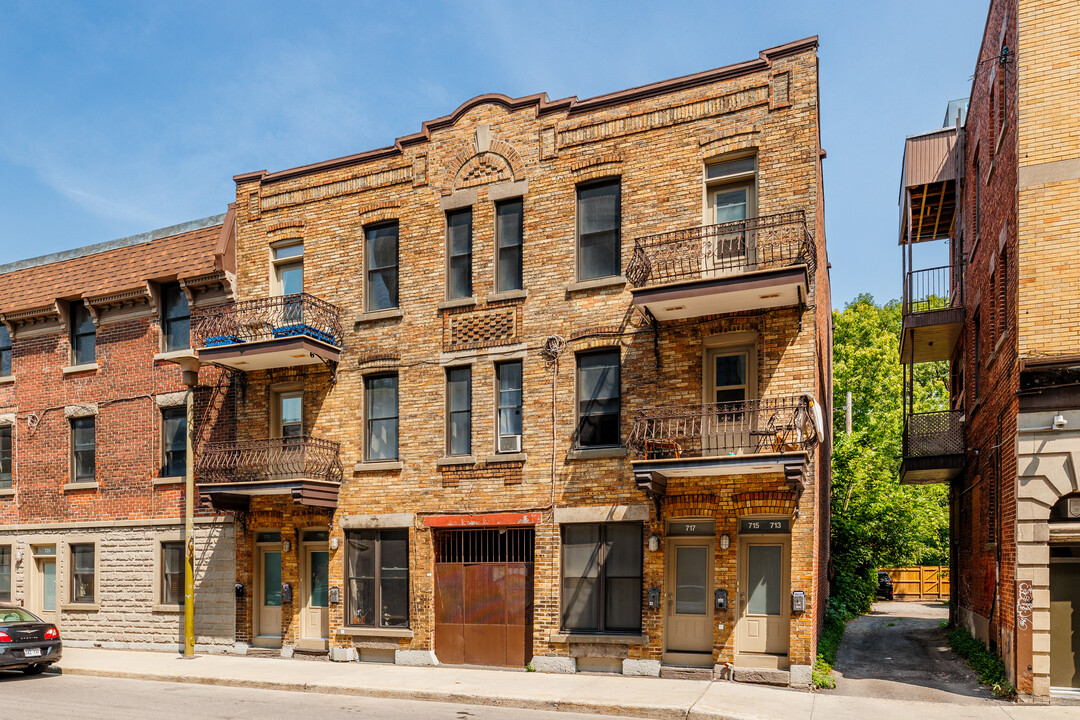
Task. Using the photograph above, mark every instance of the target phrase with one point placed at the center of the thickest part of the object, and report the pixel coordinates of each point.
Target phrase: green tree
(876, 521)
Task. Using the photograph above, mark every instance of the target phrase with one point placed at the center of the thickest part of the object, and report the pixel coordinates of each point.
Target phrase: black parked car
(884, 585)
(26, 642)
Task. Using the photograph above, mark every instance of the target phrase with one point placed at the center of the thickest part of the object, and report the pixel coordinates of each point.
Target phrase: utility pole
(191, 379)
(847, 413)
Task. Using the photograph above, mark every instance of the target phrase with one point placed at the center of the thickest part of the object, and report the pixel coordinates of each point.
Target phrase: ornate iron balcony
(270, 318)
(772, 425)
(932, 434)
(266, 459)
(763, 243)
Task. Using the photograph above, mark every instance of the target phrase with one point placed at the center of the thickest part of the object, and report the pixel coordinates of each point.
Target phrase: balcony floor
(304, 491)
(727, 293)
(932, 335)
(930, 469)
(276, 353)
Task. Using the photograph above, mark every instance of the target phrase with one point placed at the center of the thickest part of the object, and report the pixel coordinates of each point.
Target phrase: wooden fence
(926, 582)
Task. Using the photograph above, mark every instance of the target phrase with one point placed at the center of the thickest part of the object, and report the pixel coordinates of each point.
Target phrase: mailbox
(654, 597)
(286, 593)
(798, 601)
(721, 599)
(335, 595)
(239, 590)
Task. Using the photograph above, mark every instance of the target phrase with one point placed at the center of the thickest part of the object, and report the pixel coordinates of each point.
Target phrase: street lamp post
(191, 379)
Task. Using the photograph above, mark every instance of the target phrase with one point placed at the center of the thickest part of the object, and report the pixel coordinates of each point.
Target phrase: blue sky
(117, 118)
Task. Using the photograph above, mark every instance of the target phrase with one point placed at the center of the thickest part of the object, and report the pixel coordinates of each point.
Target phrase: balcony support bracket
(795, 476)
(331, 365)
(654, 485)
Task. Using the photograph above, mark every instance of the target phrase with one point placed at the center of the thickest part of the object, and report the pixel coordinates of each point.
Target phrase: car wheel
(34, 670)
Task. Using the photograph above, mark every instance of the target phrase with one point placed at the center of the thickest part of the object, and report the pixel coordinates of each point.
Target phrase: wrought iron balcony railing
(269, 459)
(269, 318)
(931, 289)
(772, 425)
(763, 243)
(934, 433)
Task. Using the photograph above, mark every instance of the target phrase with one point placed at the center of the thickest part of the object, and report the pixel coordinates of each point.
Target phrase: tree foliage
(876, 521)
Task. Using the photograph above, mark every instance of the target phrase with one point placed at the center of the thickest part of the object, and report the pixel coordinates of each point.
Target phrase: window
(172, 573)
(508, 376)
(381, 258)
(509, 232)
(377, 567)
(977, 347)
(599, 218)
(459, 410)
(1003, 292)
(290, 414)
(82, 573)
(381, 409)
(731, 186)
(601, 577)
(5, 351)
(977, 180)
(174, 441)
(175, 318)
(83, 449)
(82, 334)
(598, 391)
(5, 457)
(459, 254)
(288, 266)
(5, 573)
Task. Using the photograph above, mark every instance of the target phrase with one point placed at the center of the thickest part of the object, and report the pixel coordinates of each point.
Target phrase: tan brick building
(1003, 188)
(541, 383)
(92, 422)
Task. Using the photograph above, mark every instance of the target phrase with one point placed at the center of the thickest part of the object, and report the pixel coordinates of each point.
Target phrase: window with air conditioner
(508, 377)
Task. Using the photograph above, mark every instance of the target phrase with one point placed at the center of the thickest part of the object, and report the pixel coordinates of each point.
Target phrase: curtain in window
(598, 230)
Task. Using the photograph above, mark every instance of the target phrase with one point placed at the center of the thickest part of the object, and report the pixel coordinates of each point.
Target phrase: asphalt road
(900, 651)
(98, 698)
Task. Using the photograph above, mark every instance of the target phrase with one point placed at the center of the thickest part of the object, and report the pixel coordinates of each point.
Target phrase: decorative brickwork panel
(480, 329)
(765, 503)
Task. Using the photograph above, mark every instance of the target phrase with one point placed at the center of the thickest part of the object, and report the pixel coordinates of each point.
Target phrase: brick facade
(655, 141)
(129, 508)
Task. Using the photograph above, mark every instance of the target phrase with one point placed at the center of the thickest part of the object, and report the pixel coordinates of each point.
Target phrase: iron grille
(934, 433)
(732, 428)
(485, 545)
(930, 289)
(270, 459)
(763, 243)
(270, 318)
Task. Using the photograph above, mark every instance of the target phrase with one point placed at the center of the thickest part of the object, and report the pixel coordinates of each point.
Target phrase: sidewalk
(601, 694)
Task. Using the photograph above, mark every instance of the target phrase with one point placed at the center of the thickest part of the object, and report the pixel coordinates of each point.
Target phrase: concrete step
(674, 672)
(762, 676)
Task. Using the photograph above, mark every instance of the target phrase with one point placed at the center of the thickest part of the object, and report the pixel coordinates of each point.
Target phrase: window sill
(88, 367)
(457, 303)
(506, 458)
(598, 638)
(173, 609)
(379, 466)
(173, 355)
(456, 460)
(391, 314)
(594, 283)
(376, 632)
(507, 295)
(169, 481)
(81, 486)
(594, 453)
(7, 379)
(80, 607)
(1000, 341)
(7, 492)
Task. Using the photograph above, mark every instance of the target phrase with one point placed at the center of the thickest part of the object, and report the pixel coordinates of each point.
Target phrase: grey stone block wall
(127, 576)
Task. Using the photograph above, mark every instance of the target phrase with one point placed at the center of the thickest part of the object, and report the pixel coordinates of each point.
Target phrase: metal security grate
(485, 545)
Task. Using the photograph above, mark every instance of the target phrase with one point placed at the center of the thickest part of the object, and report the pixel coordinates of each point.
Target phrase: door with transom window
(315, 590)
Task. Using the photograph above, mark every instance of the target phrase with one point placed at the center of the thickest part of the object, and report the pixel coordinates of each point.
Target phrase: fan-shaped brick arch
(500, 162)
(695, 505)
(767, 502)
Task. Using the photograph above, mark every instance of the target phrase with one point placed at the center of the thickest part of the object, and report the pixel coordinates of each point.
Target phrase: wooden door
(315, 597)
(688, 611)
(763, 595)
(267, 599)
(484, 596)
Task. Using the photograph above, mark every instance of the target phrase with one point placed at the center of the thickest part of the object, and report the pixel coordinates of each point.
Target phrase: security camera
(1060, 422)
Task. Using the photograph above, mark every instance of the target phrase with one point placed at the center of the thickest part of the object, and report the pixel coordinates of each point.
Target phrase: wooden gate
(925, 582)
(484, 596)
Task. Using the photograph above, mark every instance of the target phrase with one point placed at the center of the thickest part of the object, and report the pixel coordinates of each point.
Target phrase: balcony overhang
(727, 293)
(931, 335)
(312, 492)
(652, 475)
(930, 469)
(282, 352)
(928, 190)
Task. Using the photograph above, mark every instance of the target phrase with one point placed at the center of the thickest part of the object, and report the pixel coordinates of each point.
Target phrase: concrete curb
(658, 712)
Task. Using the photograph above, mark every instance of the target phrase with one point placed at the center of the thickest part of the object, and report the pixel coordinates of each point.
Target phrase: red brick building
(1002, 187)
(92, 427)
(542, 382)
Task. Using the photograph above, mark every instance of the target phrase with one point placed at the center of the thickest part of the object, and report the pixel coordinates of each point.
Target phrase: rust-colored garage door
(484, 596)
